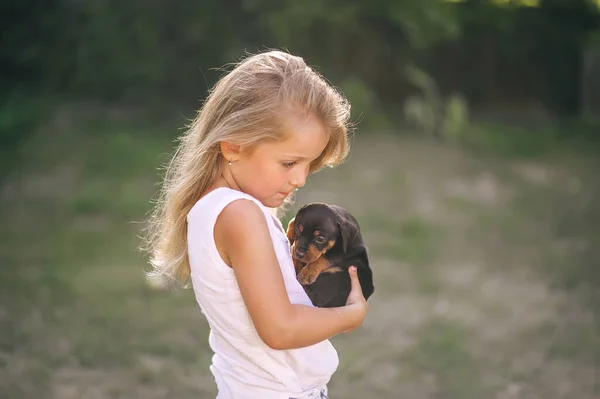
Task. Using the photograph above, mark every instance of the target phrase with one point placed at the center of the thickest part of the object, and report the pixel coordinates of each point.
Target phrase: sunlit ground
(483, 265)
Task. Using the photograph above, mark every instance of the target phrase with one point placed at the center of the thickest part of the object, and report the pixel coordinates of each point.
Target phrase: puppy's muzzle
(307, 255)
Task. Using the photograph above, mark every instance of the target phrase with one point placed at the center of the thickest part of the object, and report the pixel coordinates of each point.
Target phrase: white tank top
(243, 365)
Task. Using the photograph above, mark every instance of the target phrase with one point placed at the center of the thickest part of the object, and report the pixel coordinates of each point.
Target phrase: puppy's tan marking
(298, 265)
(329, 245)
(332, 269)
(311, 271)
(290, 231)
(312, 254)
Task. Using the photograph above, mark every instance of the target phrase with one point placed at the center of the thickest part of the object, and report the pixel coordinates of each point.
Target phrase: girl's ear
(230, 151)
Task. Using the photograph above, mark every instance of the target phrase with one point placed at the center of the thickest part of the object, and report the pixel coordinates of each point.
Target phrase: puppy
(325, 241)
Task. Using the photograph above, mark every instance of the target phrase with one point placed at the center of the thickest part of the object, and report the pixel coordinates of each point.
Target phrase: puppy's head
(313, 231)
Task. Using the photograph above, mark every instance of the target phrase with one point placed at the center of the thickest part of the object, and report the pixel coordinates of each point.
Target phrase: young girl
(264, 127)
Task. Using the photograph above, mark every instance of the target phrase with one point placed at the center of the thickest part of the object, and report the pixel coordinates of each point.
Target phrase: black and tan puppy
(326, 241)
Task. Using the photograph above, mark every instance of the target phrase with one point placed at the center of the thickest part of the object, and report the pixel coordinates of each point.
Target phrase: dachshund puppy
(325, 241)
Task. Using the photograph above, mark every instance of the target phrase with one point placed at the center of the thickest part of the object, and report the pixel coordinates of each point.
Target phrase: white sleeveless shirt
(243, 365)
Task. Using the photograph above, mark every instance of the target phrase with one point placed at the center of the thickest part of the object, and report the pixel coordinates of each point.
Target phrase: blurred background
(474, 175)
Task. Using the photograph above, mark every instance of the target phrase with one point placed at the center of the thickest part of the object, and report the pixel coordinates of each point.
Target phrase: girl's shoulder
(213, 203)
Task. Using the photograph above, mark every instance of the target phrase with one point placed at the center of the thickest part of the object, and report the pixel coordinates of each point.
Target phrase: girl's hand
(356, 299)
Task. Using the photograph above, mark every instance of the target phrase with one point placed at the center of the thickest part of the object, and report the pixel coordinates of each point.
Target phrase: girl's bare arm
(242, 234)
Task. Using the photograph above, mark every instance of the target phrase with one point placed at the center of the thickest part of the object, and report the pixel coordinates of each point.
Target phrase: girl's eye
(320, 239)
(288, 164)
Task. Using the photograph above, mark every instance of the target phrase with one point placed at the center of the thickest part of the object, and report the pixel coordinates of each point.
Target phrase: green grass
(71, 267)
(508, 137)
(413, 241)
(442, 350)
(514, 141)
(73, 293)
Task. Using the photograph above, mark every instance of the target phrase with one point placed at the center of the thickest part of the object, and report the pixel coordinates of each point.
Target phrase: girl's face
(275, 169)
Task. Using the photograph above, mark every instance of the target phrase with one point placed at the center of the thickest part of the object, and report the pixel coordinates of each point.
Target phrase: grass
(442, 351)
(413, 241)
(71, 265)
(81, 321)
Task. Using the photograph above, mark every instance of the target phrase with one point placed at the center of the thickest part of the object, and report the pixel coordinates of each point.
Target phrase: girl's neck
(227, 180)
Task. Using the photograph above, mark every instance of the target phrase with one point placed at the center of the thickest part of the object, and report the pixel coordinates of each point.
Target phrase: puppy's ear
(344, 234)
(348, 232)
(290, 231)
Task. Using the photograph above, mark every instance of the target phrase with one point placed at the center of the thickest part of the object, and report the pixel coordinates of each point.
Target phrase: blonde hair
(245, 108)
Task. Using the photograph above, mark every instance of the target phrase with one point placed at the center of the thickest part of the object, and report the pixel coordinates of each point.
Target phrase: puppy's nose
(299, 254)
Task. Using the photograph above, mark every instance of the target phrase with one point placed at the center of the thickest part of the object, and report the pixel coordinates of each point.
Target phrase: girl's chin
(274, 202)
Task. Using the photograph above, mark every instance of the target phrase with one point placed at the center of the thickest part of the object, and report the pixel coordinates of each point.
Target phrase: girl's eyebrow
(297, 157)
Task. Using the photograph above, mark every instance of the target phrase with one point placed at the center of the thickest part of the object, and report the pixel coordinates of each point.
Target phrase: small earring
(229, 163)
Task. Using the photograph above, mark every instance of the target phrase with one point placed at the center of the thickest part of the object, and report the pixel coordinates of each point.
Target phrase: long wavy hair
(245, 108)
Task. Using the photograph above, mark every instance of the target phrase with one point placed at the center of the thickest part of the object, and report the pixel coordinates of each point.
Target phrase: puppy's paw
(307, 275)
(298, 265)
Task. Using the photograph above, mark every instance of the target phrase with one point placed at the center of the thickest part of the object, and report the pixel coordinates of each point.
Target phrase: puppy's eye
(320, 240)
